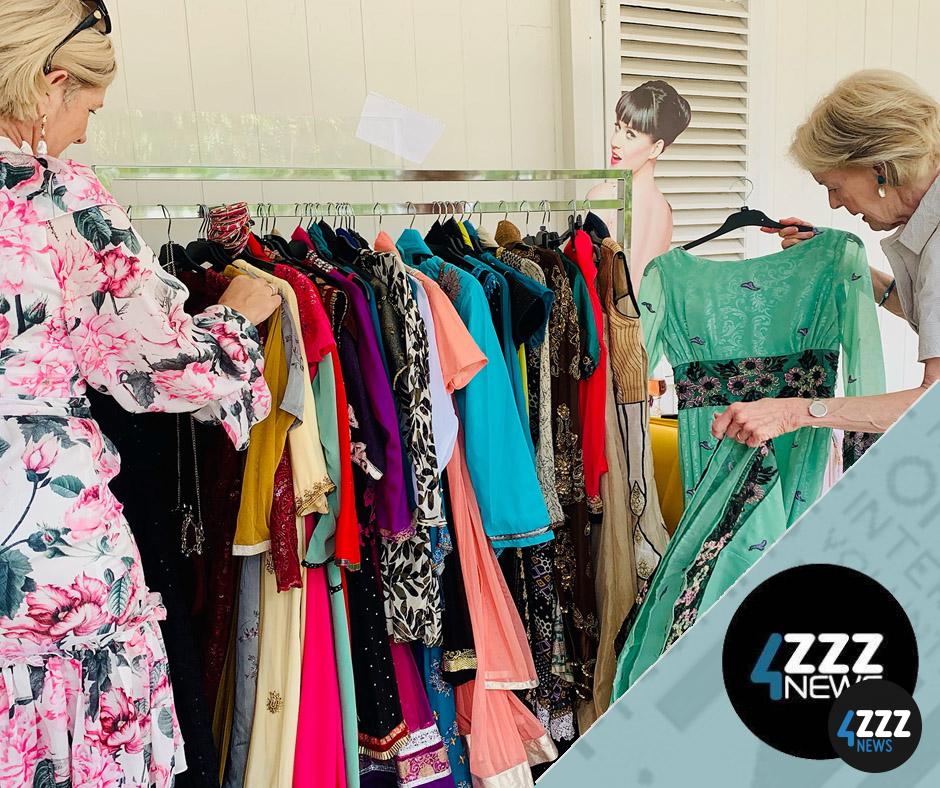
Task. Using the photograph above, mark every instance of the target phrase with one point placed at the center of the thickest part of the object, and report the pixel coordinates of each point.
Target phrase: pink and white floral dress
(85, 698)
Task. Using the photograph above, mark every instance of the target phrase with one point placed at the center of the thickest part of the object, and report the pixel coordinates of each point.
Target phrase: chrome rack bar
(110, 173)
(297, 210)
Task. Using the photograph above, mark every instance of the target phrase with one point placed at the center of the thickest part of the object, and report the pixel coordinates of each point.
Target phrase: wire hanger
(169, 224)
(744, 217)
(542, 237)
(173, 255)
(204, 227)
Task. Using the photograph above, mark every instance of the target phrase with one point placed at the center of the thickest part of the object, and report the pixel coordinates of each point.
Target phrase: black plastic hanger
(546, 238)
(442, 241)
(175, 257)
(574, 224)
(172, 256)
(270, 238)
(340, 248)
(744, 217)
(202, 251)
(528, 238)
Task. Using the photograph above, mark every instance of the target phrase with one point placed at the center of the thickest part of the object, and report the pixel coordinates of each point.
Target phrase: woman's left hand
(753, 423)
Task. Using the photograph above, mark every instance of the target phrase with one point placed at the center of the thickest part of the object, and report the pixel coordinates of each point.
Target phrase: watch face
(818, 409)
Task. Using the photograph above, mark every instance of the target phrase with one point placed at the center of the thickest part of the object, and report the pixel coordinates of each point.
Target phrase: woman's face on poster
(631, 149)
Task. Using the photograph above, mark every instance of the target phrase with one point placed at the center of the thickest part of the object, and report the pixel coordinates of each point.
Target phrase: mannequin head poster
(647, 120)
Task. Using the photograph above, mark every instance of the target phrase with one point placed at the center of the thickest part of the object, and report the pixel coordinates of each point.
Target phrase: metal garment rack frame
(110, 174)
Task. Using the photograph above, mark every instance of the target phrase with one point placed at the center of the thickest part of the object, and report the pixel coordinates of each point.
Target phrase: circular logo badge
(875, 726)
(800, 640)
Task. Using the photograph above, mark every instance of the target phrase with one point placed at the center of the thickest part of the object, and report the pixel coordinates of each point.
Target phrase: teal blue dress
(500, 463)
(773, 326)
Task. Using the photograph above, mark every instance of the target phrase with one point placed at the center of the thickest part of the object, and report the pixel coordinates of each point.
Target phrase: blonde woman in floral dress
(85, 698)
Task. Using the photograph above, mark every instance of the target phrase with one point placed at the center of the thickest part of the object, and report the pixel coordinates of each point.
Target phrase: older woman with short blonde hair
(85, 697)
(874, 144)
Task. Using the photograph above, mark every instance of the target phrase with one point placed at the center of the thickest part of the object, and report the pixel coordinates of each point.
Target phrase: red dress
(593, 390)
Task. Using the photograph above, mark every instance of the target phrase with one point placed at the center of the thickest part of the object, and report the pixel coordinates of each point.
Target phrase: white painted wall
(282, 82)
(799, 50)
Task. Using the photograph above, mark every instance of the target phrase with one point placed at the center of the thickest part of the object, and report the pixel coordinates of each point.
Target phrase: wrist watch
(818, 409)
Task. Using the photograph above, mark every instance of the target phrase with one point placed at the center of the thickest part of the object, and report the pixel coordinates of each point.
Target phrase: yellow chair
(665, 436)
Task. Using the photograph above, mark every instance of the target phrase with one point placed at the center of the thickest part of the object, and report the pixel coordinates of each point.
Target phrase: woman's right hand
(790, 236)
(253, 298)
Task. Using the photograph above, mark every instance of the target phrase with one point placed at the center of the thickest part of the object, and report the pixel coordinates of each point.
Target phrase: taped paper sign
(394, 127)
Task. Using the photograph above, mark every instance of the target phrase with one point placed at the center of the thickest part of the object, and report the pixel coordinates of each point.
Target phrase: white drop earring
(42, 149)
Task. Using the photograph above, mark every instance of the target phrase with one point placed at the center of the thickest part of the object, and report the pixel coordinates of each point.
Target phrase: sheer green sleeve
(653, 313)
(863, 372)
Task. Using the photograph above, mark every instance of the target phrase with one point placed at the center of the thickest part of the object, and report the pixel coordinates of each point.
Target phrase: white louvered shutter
(701, 48)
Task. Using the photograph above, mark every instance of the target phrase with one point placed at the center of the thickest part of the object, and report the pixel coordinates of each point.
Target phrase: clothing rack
(110, 174)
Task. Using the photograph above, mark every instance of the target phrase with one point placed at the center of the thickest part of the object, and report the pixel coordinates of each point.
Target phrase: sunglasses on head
(99, 19)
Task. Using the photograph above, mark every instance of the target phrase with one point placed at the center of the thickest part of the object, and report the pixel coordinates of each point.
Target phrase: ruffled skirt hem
(93, 714)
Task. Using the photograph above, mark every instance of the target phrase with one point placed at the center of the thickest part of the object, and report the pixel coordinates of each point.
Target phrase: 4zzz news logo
(863, 739)
(802, 679)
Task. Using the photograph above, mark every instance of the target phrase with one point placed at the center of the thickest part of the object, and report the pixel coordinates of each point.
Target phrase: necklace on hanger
(190, 520)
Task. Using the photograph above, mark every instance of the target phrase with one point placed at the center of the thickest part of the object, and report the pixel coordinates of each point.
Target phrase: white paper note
(392, 126)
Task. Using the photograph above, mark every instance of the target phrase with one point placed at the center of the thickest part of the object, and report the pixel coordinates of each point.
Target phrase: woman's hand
(790, 235)
(253, 298)
(753, 423)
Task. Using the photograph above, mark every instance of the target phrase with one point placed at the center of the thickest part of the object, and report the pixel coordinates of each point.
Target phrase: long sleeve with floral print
(84, 302)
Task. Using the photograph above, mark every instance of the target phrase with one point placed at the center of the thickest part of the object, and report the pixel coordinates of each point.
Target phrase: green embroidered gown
(771, 326)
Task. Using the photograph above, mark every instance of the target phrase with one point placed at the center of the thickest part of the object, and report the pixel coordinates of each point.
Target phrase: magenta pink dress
(422, 761)
(319, 760)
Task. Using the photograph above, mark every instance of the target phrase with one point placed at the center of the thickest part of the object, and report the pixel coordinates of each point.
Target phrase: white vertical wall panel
(791, 71)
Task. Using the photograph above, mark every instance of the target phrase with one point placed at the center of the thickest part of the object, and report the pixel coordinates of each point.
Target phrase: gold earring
(42, 149)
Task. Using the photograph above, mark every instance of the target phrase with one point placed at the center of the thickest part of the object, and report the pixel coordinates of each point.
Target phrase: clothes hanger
(547, 239)
(468, 225)
(354, 231)
(173, 256)
(508, 226)
(744, 217)
(528, 237)
(441, 240)
(298, 249)
(276, 242)
(340, 247)
(202, 250)
(310, 261)
(573, 220)
(345, 231)
(363, 243)
(315, 233)
(452, 228)
(596, 227)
